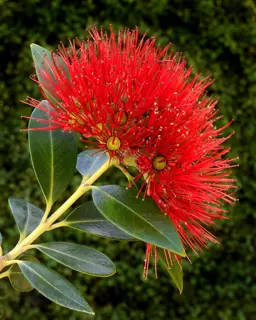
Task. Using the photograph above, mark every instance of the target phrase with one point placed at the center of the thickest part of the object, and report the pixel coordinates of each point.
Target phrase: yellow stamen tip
(159, 163)
(113, 143)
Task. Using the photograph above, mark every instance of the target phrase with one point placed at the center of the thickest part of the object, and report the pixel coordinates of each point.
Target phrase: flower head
(107, 86)
(188, 177)
(138, 100)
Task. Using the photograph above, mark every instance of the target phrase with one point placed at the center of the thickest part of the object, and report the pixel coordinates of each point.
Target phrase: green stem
(46, 225)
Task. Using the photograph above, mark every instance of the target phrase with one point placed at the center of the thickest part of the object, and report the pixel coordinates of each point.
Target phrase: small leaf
(172, 267)
(26, 215)
(53, 154)
(90, 161)
(43, 60)
(17, 279)
(79, 257)
(54, 287)
(140, 219)
(87, 218)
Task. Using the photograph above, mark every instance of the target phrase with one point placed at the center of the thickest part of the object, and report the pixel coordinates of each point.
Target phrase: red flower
(138, 100)
(106, 85)
(184, 169)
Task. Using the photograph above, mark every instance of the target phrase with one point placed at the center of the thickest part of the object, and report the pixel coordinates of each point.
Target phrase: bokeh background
(217, 37)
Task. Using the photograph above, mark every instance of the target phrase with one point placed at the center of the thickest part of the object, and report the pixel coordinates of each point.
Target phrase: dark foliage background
(216, 36)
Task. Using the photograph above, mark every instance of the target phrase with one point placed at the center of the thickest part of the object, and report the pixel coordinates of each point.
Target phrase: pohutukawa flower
(187, 176)
(105, 87)
(139, 100)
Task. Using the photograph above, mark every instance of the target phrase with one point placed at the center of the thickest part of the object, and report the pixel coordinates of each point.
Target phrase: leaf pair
(55, 287)
(78, 257)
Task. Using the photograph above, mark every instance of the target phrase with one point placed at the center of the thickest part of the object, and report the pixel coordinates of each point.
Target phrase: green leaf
(53, 154)
(140, 219)
(54, 287)
(90, 161)
(26, 215)
(173, 268)
(43, 60)
(17, 279)
(87, 218)
(79, 257)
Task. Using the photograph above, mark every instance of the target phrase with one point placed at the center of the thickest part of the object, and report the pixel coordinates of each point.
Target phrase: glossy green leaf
(26, 215)
(43, 61)
(53, 154)
(17, 279)
(140, 219)
(172, 267)
(79, 257)
(90, 161)
(54, 287)
(87, 218)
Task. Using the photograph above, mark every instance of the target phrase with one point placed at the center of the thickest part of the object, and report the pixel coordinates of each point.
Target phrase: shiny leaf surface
(87, 218)
(54, 287)
(17, 279)
(26, 215)
(53, 154)
(45, 61)
(141, 219)
(79, 257)
(173, 267)
(90, 161)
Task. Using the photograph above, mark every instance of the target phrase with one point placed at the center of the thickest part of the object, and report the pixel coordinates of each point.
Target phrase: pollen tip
(113, 143)
(159, 163)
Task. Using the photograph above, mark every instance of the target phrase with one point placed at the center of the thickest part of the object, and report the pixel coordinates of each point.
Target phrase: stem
(47, 211)
(59, 225)
(46, 225)
(4, 274)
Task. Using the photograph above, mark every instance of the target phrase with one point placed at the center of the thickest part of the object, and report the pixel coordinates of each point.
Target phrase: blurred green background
(217, 37)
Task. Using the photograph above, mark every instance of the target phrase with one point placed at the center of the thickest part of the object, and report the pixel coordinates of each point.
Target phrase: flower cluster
(131, 98)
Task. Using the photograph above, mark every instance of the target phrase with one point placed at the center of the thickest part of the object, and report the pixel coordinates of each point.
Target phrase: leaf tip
(90, 311)
(33, 45)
